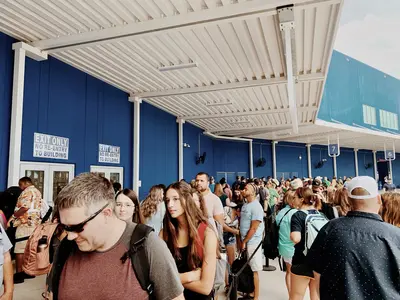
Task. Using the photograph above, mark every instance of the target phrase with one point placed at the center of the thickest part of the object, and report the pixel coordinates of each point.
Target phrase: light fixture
(300, 157)
(177, 67)
(185, 145)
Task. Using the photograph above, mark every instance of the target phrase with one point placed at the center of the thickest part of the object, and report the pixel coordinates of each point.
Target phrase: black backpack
(271, 239)
(137, 254)
(246, 278)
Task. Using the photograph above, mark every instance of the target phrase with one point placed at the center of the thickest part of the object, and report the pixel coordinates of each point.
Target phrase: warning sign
(50, 146)
(109, 154)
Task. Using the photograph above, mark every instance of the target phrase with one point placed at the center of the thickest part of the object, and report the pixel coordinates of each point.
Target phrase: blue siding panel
(365, 158)
(61, 100)
(231, 156)
(345, 163)
(192, 135)
(317, 154)
(6, 78)
(158, 148)
(266, 149)
(287, 159)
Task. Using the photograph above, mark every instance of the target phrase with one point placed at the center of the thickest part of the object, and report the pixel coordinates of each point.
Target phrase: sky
(369, 31)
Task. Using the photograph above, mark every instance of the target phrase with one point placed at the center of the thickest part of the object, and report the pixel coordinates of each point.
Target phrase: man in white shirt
(213, 203)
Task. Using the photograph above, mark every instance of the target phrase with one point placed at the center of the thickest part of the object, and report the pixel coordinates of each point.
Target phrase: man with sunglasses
(95, 268)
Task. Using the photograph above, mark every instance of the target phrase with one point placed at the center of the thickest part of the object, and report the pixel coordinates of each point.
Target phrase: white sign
(109, 154)
(50, 146)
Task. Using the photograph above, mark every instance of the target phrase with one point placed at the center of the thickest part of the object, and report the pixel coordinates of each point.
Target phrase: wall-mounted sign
(390, 155)
(109, 154)
(50, 146)
(333, 150)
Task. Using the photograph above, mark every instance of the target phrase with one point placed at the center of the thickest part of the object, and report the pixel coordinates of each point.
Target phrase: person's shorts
(22, 231)
(256, 263)
(287, 260)
(229, 239)
(302, 270)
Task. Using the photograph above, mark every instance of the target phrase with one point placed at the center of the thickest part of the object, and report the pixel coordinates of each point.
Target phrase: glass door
(49, 179)
(114, 174)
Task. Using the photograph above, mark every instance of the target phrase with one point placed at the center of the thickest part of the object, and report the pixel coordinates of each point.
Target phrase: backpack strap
(139, 259)
(200, 241)
(284, 217)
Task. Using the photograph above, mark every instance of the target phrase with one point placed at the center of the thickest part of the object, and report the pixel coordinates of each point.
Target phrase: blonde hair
(150, 204)
(391, 208)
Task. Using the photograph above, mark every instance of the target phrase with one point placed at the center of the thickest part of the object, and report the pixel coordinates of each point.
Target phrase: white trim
(180, 147)
(334, 166)
(363, 130)
(219, 137)
(16, 117)
(48, 169)
(107, 170)
(375, 165)
(136, 143)
(309, 160)
(356, 160)
(229, 86)
(273, 144)
(251, 166)
(31, 52)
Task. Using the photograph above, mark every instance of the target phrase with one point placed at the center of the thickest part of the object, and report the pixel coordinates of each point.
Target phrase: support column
(375, 166)
(356, 160)
(334, 167)
(309, 160)
(136, 143)
(390, 170)
(180, 147)
(251, 166)
(274, 158)
(14, 158)
(287, 25)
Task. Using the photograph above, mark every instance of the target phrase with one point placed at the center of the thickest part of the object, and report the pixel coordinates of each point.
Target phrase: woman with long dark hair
(153, 208)
(127, 206)
(191, 241)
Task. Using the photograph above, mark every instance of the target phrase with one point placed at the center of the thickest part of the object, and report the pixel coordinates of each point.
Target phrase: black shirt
(327, 210)
(298, 223)
(358, 257)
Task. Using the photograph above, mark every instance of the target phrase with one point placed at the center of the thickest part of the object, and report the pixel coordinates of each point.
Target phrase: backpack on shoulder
(313, 225)
(39, 252)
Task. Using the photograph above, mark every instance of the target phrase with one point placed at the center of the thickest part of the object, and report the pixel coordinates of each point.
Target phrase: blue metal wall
(6, 75)
(266, 149)
(63, 101)
(345, 163)
(319, 153)
(288, 160)
(158, 148)
(364, 158)
(349, 85)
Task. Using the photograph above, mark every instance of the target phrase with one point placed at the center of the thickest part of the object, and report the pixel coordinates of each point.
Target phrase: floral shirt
(30, 198)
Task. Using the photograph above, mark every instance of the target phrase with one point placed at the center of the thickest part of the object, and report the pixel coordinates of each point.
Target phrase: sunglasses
(79, 227)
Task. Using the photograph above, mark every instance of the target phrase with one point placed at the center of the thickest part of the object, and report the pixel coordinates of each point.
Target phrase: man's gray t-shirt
(5, 246)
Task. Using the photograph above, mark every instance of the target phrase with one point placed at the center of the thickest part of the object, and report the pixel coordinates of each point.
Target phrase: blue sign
(389, 155)
(333, 150)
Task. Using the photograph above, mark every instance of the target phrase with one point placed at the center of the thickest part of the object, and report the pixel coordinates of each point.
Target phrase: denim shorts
(229, 239)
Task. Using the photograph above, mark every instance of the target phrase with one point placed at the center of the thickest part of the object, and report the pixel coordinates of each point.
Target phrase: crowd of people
(340, 238)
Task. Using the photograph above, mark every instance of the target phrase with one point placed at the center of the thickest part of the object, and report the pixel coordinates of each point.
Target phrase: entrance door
(114, 174)
(49, 179)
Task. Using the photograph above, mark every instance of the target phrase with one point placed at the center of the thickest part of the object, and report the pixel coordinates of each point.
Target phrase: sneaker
(19, 278)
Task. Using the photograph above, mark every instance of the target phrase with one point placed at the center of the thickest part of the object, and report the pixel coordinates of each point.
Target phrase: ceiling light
(177, 67)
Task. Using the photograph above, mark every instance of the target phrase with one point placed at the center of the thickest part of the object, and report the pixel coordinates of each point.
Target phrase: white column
(375, 166)
(180, 147)
(309, 160)
(136, 143)
(274, 159)
(390, 170)
(356, 160)
(16, 117)
(334, 167)
(251, 159)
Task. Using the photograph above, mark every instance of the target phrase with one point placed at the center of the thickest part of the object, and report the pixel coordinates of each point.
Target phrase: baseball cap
(275, 181)
(316, 183)
(295, 184)
(365, 182)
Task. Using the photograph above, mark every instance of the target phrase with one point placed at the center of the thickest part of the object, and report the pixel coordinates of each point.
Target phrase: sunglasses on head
(79, 227)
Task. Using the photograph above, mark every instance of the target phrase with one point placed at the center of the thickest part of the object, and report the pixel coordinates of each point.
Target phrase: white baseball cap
(365, 182)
